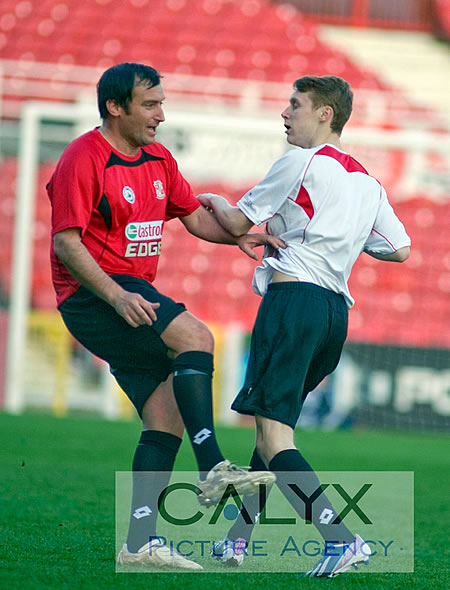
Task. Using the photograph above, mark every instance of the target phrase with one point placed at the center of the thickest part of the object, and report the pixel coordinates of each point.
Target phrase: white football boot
(156, 555)
(225, 473)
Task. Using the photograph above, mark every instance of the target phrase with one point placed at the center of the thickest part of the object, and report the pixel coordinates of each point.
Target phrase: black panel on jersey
(105, 211)
(115, 160)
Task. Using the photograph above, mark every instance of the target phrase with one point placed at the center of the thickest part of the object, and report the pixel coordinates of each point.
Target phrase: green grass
(57, 503)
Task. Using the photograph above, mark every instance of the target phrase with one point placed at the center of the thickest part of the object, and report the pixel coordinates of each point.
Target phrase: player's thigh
(186, 333)
(98, 327)
(138, 357)
(327, 358)
(103, 332)
(291, 325)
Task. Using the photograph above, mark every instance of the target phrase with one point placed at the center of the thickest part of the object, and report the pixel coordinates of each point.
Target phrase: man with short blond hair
(327, 209)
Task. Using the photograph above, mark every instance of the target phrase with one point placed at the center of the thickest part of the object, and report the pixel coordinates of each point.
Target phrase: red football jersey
(120, 203)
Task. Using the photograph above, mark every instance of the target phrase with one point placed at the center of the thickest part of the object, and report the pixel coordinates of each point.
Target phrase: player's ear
(326, 113)
(114, 109)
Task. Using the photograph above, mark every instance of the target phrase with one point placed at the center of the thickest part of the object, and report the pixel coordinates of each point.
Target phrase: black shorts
(296, 341)
(137, 356)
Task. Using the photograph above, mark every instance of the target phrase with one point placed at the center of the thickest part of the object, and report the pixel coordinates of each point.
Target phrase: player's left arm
(399, 255)
(388, 239)
(203, 224)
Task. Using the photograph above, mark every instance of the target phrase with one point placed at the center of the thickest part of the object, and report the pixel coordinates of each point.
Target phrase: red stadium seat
(129, 30)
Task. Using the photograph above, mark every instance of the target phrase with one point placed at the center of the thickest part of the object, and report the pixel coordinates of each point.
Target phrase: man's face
(138, 125)
(301, 120)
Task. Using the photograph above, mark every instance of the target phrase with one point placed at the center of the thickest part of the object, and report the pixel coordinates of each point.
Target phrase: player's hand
(205, 200)
(248, 242)
(135, 309)
(209, 199)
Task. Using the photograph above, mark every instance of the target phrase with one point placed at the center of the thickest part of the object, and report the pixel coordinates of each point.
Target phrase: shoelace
(233, 467)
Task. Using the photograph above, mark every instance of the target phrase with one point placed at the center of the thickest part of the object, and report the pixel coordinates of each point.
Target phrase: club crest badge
(128, 194)
(159, 189)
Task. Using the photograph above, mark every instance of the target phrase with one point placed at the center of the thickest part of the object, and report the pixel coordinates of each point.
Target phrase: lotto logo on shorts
(142, 249)
(201, 436)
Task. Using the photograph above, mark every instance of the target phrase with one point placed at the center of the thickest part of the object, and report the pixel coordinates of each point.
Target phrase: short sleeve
(181, 198)
(73, 189)
(282, 181)
(388, 233)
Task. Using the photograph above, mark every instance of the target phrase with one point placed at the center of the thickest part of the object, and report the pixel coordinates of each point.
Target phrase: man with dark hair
(328, 210)
(111, 193)
(118, 84)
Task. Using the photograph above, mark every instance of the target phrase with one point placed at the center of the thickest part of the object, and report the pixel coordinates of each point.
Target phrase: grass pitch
(57, 503)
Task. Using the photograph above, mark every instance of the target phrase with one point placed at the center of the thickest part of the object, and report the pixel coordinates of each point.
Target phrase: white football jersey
(327, 209)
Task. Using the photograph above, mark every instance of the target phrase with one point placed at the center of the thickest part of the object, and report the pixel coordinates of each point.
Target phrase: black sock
(152, 466)
(192, 379)
(305, 481)
(251, 506)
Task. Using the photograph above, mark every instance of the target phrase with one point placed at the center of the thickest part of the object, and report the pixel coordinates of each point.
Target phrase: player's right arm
(229, 217)
(134, 308)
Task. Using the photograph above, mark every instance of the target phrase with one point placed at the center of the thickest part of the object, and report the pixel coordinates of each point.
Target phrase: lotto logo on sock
(325, 516)
(142, 512)
(201, 436)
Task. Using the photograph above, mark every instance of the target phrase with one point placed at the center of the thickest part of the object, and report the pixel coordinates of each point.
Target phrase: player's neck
(117, 141)
(330, 138)
(335, 141)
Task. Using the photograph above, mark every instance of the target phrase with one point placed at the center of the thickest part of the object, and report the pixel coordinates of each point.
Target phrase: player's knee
(201, 338)
(268, 447)
(186, 333)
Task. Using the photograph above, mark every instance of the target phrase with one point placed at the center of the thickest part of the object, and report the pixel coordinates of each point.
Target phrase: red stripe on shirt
(349, 163)
(304, 200)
